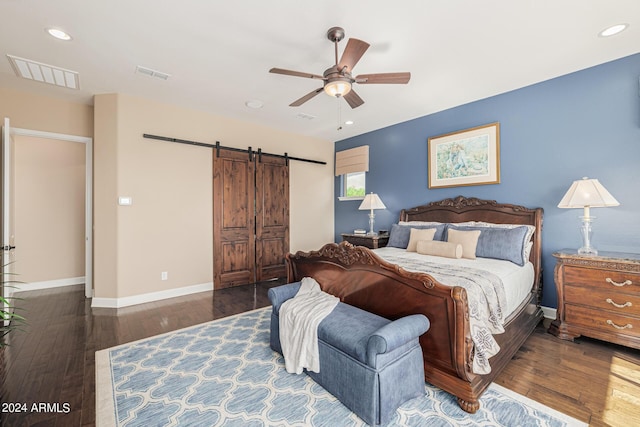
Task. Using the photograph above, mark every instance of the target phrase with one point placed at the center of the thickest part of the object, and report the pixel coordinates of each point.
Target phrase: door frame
(88, 210)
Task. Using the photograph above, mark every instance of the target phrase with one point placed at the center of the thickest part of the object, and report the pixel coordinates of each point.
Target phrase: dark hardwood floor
(53, 359)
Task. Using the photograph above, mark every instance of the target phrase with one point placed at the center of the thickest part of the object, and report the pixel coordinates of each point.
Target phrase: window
(351, 166)
(353, 184)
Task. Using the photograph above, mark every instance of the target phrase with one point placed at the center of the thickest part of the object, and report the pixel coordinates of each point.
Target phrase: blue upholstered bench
(371, 364)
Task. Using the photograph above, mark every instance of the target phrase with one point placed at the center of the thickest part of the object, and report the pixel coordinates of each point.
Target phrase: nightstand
(598, 297)
(370, 241)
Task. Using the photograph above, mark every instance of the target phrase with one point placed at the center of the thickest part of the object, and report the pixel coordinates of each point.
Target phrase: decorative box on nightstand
(598, 296)
(371, 241)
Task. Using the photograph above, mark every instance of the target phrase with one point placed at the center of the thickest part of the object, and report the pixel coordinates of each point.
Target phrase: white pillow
(438, 248)
(418, 234)
(468, 240)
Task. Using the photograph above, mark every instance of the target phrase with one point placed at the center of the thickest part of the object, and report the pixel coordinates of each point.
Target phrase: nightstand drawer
(612, 300)
(603, 321)
(602, 279)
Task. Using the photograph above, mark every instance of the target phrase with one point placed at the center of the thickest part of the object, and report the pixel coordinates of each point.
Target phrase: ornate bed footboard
(360, 278)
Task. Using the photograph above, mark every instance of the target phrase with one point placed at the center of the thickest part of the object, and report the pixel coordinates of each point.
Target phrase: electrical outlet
(164, 275)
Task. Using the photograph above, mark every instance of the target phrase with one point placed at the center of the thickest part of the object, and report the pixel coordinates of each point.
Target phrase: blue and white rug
(223, 373)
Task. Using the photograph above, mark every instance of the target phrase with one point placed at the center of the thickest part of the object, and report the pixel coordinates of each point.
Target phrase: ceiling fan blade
(393, 78)
(352, 54)
(353, 99)
(305, 98)
(295, 73)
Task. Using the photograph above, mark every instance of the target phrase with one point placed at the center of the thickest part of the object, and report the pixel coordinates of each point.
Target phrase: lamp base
(371, 222)
(587, 251)
(586, 232)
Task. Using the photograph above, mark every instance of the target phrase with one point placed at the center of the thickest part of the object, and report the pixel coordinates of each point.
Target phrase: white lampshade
(587, 193)
(371, 201)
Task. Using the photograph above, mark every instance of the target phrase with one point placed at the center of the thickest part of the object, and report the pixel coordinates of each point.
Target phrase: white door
(8, 240)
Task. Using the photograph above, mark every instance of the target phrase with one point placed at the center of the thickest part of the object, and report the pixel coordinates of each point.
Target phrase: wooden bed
(360, 278)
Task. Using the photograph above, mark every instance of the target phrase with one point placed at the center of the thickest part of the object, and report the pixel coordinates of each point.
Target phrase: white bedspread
(491, 291)
(299, 320)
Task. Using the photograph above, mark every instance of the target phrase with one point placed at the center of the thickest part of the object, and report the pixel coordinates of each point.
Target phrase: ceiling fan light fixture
(337, 88)
(338, 78)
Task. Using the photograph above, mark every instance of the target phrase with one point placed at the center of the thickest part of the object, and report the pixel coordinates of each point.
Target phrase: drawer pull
(626, 304)
(627, 326)
(625, 283)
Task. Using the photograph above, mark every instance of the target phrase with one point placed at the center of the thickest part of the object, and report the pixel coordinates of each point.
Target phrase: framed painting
(466, 157)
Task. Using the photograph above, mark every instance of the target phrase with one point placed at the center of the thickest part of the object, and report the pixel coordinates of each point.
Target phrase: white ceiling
(218, 53)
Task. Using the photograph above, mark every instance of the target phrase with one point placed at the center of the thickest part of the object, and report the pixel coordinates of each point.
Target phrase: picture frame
(466, 157)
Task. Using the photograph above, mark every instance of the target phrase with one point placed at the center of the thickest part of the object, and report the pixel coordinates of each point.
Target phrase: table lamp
(371, 201)
(587, 193)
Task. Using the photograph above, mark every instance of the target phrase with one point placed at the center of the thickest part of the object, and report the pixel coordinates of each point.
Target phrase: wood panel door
(272, 217)
(250, 218)
(233, 219)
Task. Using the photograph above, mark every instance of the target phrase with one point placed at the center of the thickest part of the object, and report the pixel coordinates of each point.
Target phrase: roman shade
(352, 160)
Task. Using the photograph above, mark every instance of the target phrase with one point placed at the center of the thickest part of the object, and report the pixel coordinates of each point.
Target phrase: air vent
(305, 116)
(152, 73)
(33, 70)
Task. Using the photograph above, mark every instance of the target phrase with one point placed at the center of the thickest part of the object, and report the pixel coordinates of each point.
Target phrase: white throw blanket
(299, 320)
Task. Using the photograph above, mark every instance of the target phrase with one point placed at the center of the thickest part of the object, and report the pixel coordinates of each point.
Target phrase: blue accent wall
(582, 124)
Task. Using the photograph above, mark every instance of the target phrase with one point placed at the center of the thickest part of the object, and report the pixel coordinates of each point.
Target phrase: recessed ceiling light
(348, 122)
(613, 30)
(59, 34)
(254, 103)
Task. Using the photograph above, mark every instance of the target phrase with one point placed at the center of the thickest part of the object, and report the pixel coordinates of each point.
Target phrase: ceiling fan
(338, 79)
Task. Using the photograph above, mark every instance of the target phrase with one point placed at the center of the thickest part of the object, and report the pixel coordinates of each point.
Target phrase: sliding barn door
(233, 219)
(250, 218)
(272, 217)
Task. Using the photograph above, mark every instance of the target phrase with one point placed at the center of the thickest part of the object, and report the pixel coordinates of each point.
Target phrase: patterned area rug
(223, 373)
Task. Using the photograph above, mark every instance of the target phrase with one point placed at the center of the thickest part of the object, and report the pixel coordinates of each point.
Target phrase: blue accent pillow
(400, 234)
(508, 244)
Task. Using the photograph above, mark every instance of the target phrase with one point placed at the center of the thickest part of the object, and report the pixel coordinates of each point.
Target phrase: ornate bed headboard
(461, 209)
(358, 276)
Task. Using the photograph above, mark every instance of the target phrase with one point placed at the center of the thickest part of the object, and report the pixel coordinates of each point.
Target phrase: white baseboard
(150, 297)
(549, 313)
(36, 286)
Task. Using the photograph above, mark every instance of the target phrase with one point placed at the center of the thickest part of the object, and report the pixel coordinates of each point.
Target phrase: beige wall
(34, 112)
(49, 209)
(105, 195)
(169, 225)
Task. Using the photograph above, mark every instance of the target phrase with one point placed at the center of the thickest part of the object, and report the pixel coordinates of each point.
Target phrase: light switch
(125, 201)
